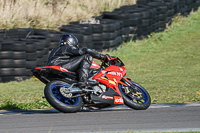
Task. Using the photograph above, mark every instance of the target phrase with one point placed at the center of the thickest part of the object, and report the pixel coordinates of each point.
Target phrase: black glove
(103, 57)
(107, 55)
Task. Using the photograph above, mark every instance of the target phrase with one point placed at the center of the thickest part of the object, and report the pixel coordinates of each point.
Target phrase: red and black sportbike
(113, 87)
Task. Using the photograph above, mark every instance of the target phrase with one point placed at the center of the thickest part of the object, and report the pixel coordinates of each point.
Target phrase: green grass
(167, 64)
(22, 95)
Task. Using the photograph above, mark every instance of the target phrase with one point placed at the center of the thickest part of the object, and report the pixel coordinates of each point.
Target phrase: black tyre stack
(12, 60)
(146, 22)
(161, 15)
(86, 30)
(21, 51)
(31, 55)
(129, 22)
(97, 36)
(186, 6)
(37, 50)
(6, 61)
(196, 4)
(13, 54)
(105, 34)
(171, 11)
(52, 37)
(119, 14)
(110, 35)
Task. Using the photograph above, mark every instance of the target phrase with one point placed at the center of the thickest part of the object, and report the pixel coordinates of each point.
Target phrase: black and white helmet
(69, 39)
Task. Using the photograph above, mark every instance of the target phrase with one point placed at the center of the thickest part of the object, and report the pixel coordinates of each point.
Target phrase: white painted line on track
(193, 105)
(163, 105)
(170, 130)
(152, 130)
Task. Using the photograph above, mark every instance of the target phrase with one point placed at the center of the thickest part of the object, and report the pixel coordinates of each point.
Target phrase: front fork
(128, 85)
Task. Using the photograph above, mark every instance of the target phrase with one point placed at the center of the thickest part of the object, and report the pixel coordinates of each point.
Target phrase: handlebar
(109, 60)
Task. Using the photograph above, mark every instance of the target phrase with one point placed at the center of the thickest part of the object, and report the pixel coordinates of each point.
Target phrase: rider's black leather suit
(73, 58)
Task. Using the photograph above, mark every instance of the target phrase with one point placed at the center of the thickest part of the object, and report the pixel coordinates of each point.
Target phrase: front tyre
(135, 96)
(58, 101)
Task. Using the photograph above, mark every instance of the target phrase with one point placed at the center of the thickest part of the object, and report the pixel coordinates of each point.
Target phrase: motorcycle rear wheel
(58, 101)
(136, 96)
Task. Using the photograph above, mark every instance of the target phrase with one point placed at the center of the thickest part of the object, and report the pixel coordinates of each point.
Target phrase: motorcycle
(112, 88)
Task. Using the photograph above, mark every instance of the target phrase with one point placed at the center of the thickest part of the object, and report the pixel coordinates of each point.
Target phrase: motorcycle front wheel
(135, 96)
(58, 101)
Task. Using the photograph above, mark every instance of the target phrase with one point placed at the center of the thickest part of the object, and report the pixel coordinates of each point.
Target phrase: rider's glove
(103, 57)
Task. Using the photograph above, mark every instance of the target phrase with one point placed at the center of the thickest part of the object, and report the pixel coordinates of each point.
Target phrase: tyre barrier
(19, 55)
(23, 49)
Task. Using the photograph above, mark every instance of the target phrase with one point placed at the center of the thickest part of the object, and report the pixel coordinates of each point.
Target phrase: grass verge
(167, 64)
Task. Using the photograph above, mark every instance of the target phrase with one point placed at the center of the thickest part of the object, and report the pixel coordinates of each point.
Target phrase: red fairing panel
(115, 72)
(62, 69)
(112, 78)
(95, 65)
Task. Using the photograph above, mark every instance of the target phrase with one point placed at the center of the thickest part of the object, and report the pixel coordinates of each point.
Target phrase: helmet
(69, 39)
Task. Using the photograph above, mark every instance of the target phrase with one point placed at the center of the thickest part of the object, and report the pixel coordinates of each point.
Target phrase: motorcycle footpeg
(92, 83)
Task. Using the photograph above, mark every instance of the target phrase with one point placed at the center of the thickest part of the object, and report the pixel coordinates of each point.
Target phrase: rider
(69, 56)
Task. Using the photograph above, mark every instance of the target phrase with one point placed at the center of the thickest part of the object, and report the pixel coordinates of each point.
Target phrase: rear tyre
(135, 96)
(58, 101)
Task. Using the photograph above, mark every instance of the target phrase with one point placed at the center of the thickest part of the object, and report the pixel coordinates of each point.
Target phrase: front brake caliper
(127, 90)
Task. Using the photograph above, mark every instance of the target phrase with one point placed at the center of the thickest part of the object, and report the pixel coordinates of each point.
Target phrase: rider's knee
(88, 57)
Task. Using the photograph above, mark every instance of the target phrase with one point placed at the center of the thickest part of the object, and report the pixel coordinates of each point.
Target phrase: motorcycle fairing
(108, 97)
(48, 73)
(59, 68)
(111, 76)
(43, 73)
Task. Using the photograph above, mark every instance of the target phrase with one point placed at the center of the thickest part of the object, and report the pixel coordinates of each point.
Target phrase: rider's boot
(84, 81)
(83, 84)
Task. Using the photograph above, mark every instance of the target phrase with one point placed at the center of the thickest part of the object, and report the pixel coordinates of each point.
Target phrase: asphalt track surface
(158, 118)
